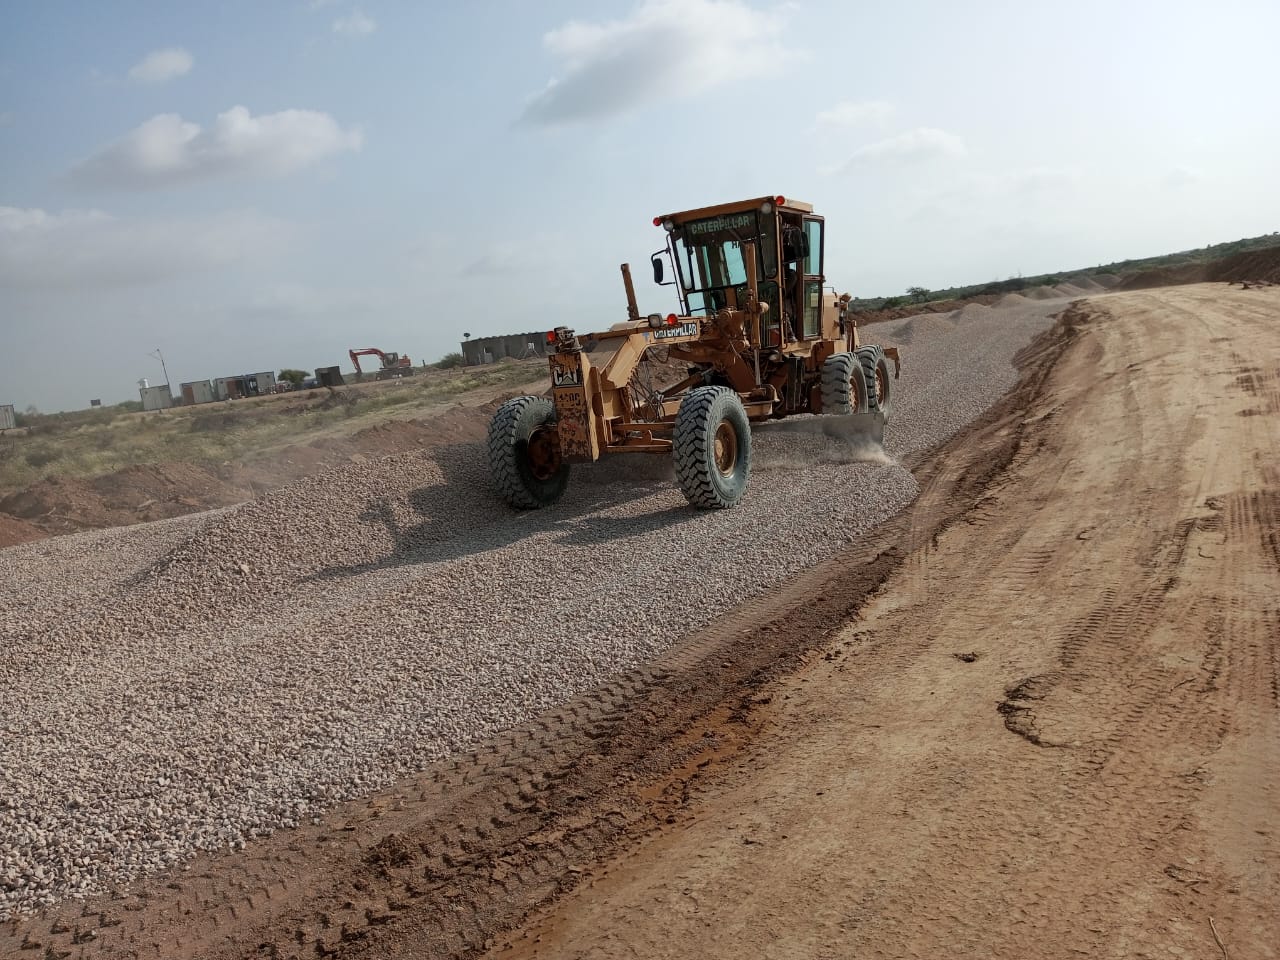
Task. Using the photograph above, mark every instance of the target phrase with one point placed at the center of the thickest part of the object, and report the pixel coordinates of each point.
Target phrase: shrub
(451, 360)
(40, 458)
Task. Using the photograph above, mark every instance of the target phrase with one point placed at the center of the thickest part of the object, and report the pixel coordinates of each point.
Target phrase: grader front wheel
(712, 448)
(524, 453)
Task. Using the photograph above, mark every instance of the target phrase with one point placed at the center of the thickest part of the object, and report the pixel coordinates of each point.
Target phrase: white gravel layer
(193, 683)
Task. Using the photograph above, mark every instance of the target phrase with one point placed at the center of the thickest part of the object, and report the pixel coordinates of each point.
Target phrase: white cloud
(850, 113)
(355, 24)
(666, 48)
(167, 149)
(923, 143)
(81, 249)
(162, 65)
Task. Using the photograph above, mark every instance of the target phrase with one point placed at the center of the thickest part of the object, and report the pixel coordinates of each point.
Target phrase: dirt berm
(156, 491)
(1251, 265)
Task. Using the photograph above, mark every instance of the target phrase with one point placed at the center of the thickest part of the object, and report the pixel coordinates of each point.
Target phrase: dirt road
(1036, 714)
(1054, 730)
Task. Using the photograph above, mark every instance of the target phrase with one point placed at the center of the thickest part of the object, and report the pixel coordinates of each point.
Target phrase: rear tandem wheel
(844, 386)
(875, 369)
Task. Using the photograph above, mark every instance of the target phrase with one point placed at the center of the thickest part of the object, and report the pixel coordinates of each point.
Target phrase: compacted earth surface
(1010, 689)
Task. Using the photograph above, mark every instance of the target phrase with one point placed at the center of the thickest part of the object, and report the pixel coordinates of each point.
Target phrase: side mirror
(657, 268)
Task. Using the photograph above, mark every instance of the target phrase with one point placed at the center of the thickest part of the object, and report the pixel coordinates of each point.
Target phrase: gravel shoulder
(197, 684)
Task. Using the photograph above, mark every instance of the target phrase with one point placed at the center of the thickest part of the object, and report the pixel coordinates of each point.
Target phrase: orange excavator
(393, 365)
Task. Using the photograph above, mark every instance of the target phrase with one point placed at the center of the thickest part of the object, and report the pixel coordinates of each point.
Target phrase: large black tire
(524, 453)
(712, 448)
(875, 369)
(844, 385)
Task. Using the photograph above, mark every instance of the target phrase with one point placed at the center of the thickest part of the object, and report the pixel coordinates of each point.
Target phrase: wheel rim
(726, 448)
(855, 395)
(544, 453)
(882, 385)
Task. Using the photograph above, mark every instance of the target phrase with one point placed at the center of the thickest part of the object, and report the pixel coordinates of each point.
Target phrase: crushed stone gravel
(194, 683)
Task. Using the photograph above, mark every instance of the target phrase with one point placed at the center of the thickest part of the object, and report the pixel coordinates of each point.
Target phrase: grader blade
(855, 429)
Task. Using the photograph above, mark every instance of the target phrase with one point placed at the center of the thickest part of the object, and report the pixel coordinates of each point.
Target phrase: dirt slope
(157, 491)
(1252, 265)
(1054, 732)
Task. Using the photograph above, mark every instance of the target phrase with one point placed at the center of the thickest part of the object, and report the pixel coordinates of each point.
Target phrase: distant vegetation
(84, 443)
(50, 423)
(1120, 268)
(295, 377)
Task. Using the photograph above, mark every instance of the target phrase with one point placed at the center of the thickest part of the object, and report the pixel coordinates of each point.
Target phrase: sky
(249, 186)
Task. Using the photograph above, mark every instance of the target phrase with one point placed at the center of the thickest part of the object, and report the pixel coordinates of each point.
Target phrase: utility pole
(160, 356)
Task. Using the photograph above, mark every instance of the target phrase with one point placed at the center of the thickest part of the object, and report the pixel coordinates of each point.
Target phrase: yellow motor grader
(757, 338)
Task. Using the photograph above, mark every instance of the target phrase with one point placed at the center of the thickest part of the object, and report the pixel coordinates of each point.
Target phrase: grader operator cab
(757, 338)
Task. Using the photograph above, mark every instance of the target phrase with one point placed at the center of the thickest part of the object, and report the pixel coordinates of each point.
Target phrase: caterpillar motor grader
(756, 338)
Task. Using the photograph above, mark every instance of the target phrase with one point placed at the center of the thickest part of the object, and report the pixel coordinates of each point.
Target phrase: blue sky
(249, 186)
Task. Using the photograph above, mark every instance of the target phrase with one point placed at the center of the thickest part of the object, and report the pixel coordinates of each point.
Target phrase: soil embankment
(158, 491)
(1252, 266)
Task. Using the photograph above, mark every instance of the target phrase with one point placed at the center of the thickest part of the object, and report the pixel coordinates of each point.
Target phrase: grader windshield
(709, 258)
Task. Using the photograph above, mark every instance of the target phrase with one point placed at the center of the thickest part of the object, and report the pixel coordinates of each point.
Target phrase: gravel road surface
(194, 683)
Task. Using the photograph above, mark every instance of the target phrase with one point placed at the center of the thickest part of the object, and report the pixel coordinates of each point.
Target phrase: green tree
(918, 294)
(451, 360)
(293, 376)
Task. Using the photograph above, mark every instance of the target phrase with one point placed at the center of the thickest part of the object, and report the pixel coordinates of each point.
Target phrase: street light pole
(160, 357)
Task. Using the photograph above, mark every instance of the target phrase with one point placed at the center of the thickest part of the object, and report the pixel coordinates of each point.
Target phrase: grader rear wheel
(844, 386)
(875, 369)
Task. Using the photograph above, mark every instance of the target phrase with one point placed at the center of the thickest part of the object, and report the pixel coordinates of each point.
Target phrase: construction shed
(156, 398)
(197, 391)
(245, 385)
(516, 346)
(7, 419)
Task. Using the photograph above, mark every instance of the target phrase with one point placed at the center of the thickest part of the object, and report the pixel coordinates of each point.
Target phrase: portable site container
(156, 398)
(197, 391)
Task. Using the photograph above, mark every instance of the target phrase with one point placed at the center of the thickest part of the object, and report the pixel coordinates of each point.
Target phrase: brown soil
(1261, 266)
(13, 530)
(1037, 714)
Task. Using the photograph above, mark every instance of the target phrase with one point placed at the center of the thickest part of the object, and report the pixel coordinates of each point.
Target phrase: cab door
(811, 280)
